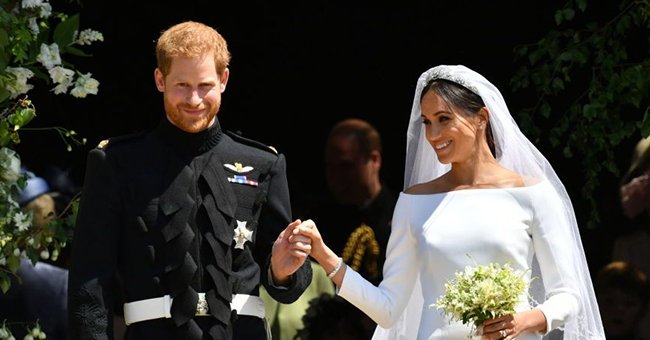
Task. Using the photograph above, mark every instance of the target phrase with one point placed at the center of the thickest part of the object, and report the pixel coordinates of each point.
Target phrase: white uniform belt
(160, 307)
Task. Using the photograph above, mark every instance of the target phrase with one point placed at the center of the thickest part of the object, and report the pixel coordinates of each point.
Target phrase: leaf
(22, 117)
(13, 263)
(645, 123)
(5, 283)
(4, 38)
(75, 51)
(4, 94)
(64, 31)
(5, 134)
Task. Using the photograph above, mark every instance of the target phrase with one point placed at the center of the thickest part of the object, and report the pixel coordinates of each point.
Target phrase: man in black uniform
(182, 222)
(356, 216)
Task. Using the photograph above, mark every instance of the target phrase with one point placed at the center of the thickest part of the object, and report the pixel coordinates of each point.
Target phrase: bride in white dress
(475, 186)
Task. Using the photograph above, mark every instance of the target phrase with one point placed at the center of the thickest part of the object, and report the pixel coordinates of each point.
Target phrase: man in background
(355, 218)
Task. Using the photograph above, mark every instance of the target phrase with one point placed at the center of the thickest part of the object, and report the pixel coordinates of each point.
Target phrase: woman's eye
(425, 121)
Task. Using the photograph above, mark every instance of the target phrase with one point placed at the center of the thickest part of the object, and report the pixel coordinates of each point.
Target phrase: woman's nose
(433, 131)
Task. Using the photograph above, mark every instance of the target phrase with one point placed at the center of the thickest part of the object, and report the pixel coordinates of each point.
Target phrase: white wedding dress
(435, 235)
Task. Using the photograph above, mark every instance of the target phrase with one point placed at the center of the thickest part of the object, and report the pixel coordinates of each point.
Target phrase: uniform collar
(186, 142)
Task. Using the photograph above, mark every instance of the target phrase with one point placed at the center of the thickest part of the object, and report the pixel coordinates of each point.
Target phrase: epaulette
(239, 138)
(105, 143)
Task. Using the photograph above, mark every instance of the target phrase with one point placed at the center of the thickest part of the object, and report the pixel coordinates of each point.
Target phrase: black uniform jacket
(337, 222)
(158, 216)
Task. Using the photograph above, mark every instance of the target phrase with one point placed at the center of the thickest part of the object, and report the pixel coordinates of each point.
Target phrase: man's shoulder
(122, 141)
(251, 144)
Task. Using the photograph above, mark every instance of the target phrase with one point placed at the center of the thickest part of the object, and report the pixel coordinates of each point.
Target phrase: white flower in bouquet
(481, 293)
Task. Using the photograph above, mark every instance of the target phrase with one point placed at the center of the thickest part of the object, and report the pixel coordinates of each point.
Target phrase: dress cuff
(558, 309)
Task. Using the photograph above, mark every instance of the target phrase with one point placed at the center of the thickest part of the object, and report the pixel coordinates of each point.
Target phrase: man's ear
(224, 79)
(159, 78)
(375, 158)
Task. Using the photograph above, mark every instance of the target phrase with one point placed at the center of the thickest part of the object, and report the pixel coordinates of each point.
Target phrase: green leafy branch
(591, 85)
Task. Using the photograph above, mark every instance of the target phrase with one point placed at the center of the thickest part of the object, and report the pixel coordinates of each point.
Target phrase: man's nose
(194, 98)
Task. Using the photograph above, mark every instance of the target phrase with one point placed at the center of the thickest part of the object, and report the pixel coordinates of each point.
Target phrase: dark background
(298, 69)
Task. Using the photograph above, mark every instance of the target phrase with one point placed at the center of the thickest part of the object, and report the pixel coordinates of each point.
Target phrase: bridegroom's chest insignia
(238, 168)
(242, 235)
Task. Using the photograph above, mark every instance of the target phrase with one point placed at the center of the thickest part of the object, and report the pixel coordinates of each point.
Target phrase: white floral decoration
(85, 85)
(23, 220)
(19, 85)
(481, 293)
(49, 55)
(9, 165)
(62, 77)
(88, 36)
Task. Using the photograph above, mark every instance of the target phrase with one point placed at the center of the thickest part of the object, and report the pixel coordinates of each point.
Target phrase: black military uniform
(175, 213)
(337, 222)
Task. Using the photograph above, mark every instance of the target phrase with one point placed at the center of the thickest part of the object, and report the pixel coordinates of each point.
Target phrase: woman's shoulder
(442, 184)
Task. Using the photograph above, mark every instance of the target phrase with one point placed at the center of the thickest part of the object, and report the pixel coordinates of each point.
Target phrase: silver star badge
(242, 234)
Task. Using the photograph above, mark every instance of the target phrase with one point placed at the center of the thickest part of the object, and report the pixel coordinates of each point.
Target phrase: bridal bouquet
(481, 293)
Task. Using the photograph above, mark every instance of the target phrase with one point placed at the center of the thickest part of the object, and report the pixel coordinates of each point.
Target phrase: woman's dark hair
(460, 97)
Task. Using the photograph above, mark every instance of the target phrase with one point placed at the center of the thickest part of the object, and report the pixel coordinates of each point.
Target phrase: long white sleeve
(384, 304)
(552, 241)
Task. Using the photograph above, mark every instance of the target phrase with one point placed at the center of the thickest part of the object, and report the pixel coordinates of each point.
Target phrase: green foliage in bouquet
(481, 293)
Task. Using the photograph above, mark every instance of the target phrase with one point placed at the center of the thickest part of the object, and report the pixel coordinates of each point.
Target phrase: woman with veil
(474, 185)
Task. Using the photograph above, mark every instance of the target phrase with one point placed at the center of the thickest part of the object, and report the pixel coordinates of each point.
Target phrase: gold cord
(362, 247)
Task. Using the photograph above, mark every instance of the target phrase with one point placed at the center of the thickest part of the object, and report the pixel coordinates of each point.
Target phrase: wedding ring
(503, 333)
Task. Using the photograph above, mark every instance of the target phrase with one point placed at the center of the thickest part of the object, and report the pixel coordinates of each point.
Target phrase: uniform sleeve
(94, 253)
(274, 218)
(552, 240)
(385, 304)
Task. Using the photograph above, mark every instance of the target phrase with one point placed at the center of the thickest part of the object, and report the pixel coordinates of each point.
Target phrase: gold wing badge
(240, 170)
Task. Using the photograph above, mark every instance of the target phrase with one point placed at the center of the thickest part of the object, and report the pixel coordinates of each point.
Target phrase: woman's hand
(320, 251)
(510, 326)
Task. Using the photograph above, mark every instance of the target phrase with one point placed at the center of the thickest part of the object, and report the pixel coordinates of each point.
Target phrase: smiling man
(178, 227)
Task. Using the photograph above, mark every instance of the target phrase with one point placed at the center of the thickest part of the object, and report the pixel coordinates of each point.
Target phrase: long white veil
(514, 151)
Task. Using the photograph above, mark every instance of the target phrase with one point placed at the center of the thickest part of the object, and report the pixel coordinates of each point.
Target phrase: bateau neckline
(477, 189)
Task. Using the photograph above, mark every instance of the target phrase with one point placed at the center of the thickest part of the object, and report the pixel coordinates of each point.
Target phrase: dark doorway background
(295, 71)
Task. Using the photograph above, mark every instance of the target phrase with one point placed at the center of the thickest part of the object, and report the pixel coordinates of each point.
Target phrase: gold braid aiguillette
(362, 248)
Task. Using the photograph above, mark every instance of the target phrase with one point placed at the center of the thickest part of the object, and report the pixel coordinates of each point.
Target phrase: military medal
(242, 234)
(242, 180)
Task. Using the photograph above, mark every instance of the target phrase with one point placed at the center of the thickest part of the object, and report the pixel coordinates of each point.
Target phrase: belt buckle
(202, 308)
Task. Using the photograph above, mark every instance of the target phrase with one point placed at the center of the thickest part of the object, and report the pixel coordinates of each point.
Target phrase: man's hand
(289, 252)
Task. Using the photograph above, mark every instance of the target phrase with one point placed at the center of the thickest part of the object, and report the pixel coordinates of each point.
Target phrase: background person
(623, 293)
(355, 216)
(633, 246)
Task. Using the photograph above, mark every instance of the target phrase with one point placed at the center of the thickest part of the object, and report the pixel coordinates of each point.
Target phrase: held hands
(510, 326)
(321, 252)
(289, 253)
